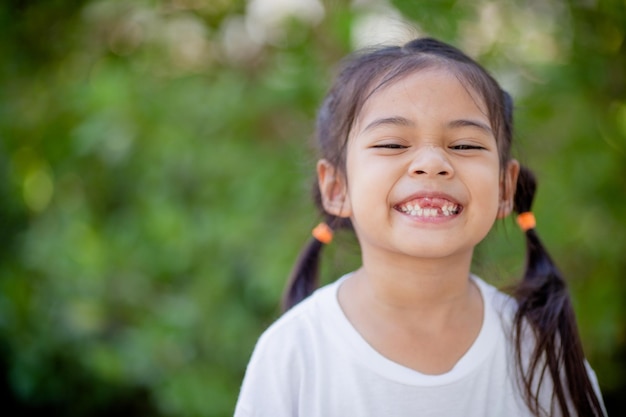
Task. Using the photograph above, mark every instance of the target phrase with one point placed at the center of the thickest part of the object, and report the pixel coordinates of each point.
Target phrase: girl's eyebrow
(470, 123)
(394, 121)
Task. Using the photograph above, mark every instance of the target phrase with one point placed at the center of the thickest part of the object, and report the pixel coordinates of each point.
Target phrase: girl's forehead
(432, 92)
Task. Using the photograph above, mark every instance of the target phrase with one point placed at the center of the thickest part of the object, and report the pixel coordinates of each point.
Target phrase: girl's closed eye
(390, 146)
(468, 147)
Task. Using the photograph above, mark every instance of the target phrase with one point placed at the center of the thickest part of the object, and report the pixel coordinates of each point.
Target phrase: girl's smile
(430, 207)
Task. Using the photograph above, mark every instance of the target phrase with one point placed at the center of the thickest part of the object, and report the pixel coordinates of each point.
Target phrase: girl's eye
(466, 147)
(390, 146)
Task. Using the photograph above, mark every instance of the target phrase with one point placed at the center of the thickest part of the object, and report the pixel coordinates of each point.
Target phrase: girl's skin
(422, 140)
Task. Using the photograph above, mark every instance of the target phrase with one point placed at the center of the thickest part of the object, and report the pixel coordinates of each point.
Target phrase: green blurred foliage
(155, 173)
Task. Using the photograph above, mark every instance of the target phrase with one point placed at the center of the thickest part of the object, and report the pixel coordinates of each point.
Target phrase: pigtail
(545, 305)
(304, 277)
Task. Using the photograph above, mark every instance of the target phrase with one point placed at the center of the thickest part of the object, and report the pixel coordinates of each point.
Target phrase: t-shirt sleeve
(271, 383)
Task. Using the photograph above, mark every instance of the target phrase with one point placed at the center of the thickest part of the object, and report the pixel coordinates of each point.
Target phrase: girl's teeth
(416, 210)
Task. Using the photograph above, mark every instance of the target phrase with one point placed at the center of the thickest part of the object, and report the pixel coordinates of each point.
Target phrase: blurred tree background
(155, 174)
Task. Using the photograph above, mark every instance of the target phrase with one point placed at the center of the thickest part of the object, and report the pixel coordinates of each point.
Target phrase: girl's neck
(422, 314)
(415, 283)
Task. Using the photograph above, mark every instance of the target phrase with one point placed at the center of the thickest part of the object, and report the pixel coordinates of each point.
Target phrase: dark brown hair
(542, 296)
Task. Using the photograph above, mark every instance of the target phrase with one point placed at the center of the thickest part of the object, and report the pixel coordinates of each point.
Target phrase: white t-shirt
(312, 363)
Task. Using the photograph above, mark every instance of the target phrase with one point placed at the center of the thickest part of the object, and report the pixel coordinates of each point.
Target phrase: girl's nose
(431, 161)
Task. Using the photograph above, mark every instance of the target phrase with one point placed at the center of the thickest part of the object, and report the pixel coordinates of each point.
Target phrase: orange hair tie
(323, 233)
(526, 221)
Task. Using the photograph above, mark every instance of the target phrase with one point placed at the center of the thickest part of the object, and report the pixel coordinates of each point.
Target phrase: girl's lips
(430, 206)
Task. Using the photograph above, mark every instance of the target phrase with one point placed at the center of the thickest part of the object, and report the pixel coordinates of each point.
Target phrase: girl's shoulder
(496, 300)
(303, 321)
(283, 356)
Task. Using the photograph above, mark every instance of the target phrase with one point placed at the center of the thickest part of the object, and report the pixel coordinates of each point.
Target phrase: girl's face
(422, 176)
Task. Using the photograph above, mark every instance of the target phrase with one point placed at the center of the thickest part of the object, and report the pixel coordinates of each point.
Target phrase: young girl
(415, 144)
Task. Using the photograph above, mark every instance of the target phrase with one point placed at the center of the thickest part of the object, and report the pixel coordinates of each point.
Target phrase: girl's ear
(334, 189)
(508, 184)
